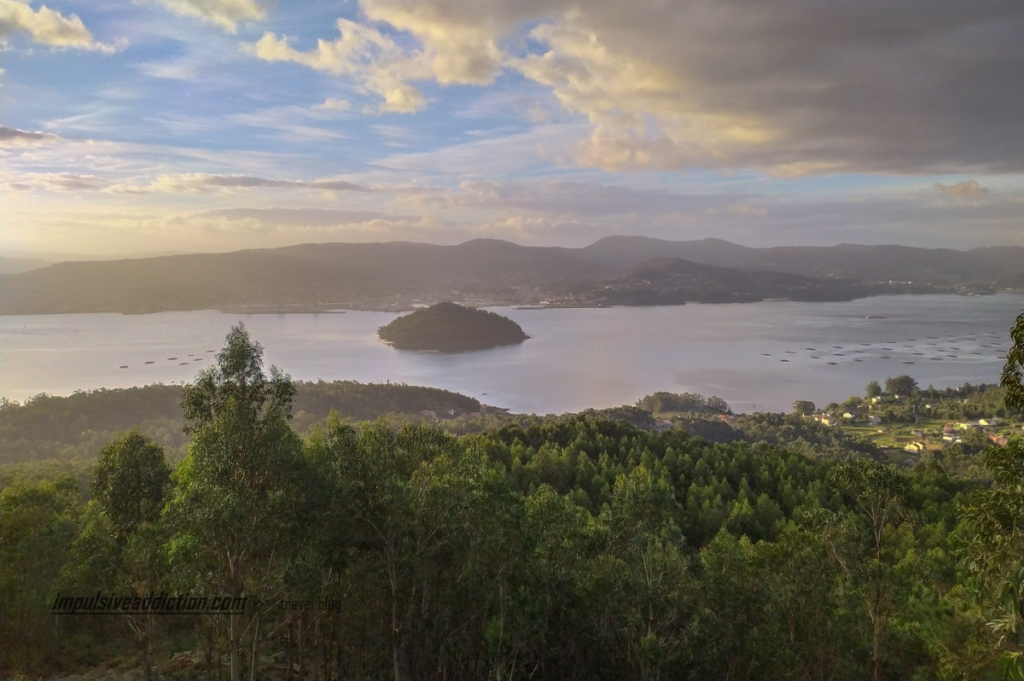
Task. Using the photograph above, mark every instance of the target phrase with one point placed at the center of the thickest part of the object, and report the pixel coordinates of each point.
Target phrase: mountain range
(393, 275)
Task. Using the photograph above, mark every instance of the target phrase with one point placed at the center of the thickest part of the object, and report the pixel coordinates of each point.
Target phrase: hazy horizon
(52, 257)
(183, 126)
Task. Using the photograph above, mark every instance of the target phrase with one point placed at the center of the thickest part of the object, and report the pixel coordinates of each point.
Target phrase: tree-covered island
(448, 327)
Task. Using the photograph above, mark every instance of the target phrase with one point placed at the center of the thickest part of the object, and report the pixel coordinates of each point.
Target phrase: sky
(165, 126)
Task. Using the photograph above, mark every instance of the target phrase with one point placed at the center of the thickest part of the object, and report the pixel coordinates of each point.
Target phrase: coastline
(403, 307)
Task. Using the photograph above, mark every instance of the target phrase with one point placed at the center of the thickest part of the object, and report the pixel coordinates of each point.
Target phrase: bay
(575, 358)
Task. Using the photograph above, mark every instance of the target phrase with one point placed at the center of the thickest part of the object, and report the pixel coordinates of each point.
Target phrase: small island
(448, 327)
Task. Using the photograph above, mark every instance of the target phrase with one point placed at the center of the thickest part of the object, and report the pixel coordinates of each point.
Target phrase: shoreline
(399, 308)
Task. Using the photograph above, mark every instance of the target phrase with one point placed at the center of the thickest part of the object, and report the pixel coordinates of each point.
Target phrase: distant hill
(393, 275)
(845, 261)
(447, 327)
(1014, 282)
(673, 281)
(300, 277)
(622, 252)
(19, 265)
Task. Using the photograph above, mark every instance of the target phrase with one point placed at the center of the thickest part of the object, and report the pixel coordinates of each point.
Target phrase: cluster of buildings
(951, 432)
(848, 416)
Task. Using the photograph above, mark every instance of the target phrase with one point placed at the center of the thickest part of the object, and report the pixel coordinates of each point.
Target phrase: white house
(874, 420)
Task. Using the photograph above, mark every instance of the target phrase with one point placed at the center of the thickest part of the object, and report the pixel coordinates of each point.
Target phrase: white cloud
(226, 14)
(461, 41)
(47, 27)
(332, 104)
(379, 65)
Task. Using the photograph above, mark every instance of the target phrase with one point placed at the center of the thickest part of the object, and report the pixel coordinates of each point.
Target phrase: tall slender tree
(877, 492)
(236, 490)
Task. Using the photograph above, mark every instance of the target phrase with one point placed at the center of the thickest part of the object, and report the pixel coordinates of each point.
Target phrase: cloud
(201, 183)
(332, 104)
(57, 182)
(488, 158)
(283, 120)
(13, 137)
(376, 62)
(572, 199)
(226, 14)
(302, 217)
(968, 189)
(196, 183)
(47, 27)
(793, 88)
(460, 40)
(220, 230)
(744, 209)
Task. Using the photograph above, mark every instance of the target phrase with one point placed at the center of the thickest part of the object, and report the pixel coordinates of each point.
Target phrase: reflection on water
(756, 356)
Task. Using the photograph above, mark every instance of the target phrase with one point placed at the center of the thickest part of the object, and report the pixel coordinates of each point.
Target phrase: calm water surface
(575, 359)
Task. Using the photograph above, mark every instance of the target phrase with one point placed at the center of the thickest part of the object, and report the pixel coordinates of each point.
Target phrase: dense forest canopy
(663, 402)
(79, 425)
(75, 428)
(573, 547)
(449, 327)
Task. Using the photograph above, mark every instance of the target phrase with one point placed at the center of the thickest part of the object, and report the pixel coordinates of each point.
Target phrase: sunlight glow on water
(576, 358)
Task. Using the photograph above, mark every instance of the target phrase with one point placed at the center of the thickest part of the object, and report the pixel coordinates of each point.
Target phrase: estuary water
(759, 356)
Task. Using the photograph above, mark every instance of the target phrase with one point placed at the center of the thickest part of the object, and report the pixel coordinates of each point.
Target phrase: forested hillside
(570, 548)
(670, 281)
(78, 426)
(875, 263)
(311, 277)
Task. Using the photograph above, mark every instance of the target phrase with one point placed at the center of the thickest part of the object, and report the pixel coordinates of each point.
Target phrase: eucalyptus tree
(119, 547)
(233, 507)
(877, 492)
(653, 578)
(39, 524)
(992, 525)
(130, 479)
(422, 512)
